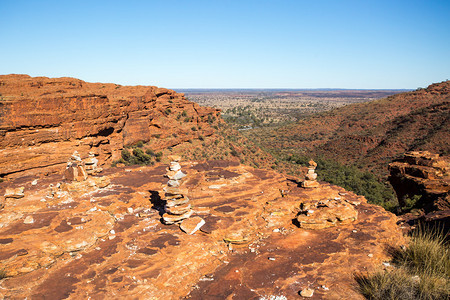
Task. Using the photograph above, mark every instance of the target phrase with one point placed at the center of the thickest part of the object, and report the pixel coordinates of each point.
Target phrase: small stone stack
(91, 165)
(75, 169)
(310, 178)
(177, 205)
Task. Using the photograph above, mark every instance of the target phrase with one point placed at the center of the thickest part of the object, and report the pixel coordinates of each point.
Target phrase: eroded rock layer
(103, 238)
(422, 180)
(43, 120)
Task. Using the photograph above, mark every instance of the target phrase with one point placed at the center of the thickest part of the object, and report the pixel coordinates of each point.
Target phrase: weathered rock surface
(422, 173)
(323, 213)
(43, 120)
(87, 241)
(427, 176)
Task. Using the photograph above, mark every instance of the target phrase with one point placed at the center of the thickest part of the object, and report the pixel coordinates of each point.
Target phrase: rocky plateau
(103, 237)
(72, 227)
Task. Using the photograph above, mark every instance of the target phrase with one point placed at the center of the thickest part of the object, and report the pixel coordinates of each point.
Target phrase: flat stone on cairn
(177, 207)
(310, 178)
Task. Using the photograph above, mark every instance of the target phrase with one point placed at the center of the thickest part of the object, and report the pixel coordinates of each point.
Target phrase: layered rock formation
(43, 120)
(423, 177)
(90, 239)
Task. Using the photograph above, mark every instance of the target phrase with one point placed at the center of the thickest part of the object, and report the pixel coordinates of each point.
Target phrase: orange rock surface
(44, 120)
(103, 238)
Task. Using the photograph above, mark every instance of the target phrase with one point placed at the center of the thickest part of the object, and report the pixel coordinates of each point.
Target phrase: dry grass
(422, 270)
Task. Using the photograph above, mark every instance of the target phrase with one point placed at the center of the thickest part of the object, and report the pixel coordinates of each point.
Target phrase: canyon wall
(44, 120)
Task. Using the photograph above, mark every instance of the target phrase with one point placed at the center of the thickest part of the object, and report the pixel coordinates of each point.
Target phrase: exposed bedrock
(43, 120)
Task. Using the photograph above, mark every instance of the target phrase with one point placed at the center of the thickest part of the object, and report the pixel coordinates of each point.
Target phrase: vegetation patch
(138, 156)
(420, 271)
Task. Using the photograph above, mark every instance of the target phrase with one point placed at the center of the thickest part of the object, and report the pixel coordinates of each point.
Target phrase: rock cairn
(310, 178)
(177, 207)
(75, 169)
(91, 165)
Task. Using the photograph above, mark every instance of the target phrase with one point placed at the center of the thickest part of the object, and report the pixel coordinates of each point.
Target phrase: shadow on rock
(157, 202)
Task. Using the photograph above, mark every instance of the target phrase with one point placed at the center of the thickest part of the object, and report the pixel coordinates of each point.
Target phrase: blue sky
(230, 44)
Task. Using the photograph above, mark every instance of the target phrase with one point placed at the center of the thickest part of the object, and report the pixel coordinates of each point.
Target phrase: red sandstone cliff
(43, 120)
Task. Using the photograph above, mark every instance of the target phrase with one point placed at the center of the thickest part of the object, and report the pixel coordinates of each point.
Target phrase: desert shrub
(422, 270)
(159, 156)
(140, 158)
(136, 157)
(411, 202)
(184, 113)
(150, 152)
(2, 274)
(194, 128)
(140, 144)
(167, 111)
(427, 252)
(384, 285)
(126, 155)
(201, 137)
(1, 180)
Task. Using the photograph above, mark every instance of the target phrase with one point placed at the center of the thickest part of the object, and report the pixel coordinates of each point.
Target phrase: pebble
(307, 293)
(354, 231)
(271, 258)
(28, 220)
(130, 210)
(34, 182)
(370, 255)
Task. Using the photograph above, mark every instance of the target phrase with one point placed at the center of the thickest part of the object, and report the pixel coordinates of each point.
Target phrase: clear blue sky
(230, 44)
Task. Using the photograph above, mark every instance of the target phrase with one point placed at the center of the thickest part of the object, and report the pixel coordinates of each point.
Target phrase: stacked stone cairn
(310, 178)
(75, 169)
(177, 207)
(91, 165)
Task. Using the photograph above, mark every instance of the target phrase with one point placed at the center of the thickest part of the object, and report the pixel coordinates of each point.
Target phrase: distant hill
(370, 134)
